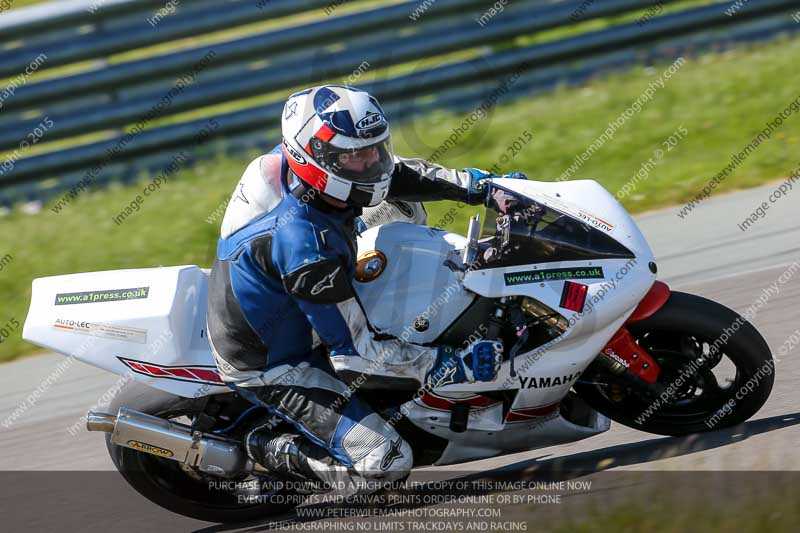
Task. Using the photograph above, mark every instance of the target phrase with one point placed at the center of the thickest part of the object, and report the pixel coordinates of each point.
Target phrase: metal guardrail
(285, 73)
(453, 28)
(64, 14)
(243, 49)
(111, 29)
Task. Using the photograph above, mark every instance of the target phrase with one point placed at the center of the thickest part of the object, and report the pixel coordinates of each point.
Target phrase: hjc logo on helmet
(295, 155)
(372, 120)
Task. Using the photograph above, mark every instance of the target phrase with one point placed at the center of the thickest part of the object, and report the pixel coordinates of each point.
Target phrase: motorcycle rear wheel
(172, 485)
(682, 331)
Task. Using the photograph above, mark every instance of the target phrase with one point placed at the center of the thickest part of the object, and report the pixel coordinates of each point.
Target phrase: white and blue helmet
(336, 139)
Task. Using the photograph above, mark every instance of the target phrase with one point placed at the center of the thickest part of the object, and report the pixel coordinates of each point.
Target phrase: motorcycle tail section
(149, 323)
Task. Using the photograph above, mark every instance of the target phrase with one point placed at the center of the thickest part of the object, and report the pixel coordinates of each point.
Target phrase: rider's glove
(480, 361)
(478, 177)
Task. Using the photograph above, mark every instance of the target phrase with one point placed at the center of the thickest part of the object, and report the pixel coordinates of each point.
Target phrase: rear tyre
(177, 487)
(712, 389)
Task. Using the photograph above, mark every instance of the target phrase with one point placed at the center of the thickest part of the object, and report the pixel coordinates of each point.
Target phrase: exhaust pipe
(170, 440)
(100, 422)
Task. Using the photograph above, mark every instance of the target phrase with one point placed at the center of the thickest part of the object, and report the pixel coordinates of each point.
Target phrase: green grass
(16, 4)
(723, 100)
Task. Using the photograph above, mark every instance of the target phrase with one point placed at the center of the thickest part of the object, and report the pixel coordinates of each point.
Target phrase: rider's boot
(290, 457)
(284, 455)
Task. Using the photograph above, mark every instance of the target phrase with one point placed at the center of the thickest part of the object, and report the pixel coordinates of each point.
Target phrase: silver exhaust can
(171, 440)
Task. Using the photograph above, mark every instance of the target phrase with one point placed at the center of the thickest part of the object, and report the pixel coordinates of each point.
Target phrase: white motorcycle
(558, 271)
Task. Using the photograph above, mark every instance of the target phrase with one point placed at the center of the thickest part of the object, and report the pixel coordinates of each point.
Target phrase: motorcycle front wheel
(710, 384)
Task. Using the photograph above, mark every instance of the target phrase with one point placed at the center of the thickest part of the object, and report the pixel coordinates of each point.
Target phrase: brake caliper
(623, 349)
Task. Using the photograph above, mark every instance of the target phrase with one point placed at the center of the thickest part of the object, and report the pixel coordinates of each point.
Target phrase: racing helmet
(336, 140)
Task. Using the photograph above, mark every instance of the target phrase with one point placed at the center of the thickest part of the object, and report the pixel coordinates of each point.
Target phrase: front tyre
(716, 367)
(178, 487)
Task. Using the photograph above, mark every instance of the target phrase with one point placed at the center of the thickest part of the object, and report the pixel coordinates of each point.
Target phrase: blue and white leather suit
(281, 284)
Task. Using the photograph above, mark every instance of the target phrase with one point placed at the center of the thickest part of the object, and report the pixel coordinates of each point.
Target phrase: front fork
(624, 357)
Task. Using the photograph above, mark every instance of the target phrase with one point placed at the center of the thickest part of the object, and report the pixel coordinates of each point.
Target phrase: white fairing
(625, 281)
(416, 297)
(546, 374)
(160, 323)
(491, 434)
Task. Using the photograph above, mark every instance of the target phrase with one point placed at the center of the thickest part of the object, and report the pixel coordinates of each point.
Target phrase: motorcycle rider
(280, 288)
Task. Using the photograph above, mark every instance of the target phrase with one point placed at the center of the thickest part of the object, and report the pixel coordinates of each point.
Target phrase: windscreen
(521, 231)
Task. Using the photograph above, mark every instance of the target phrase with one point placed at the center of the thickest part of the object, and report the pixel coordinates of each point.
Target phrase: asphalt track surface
(705, 253)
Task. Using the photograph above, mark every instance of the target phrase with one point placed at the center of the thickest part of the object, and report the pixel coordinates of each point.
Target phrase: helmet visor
(368, 164)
